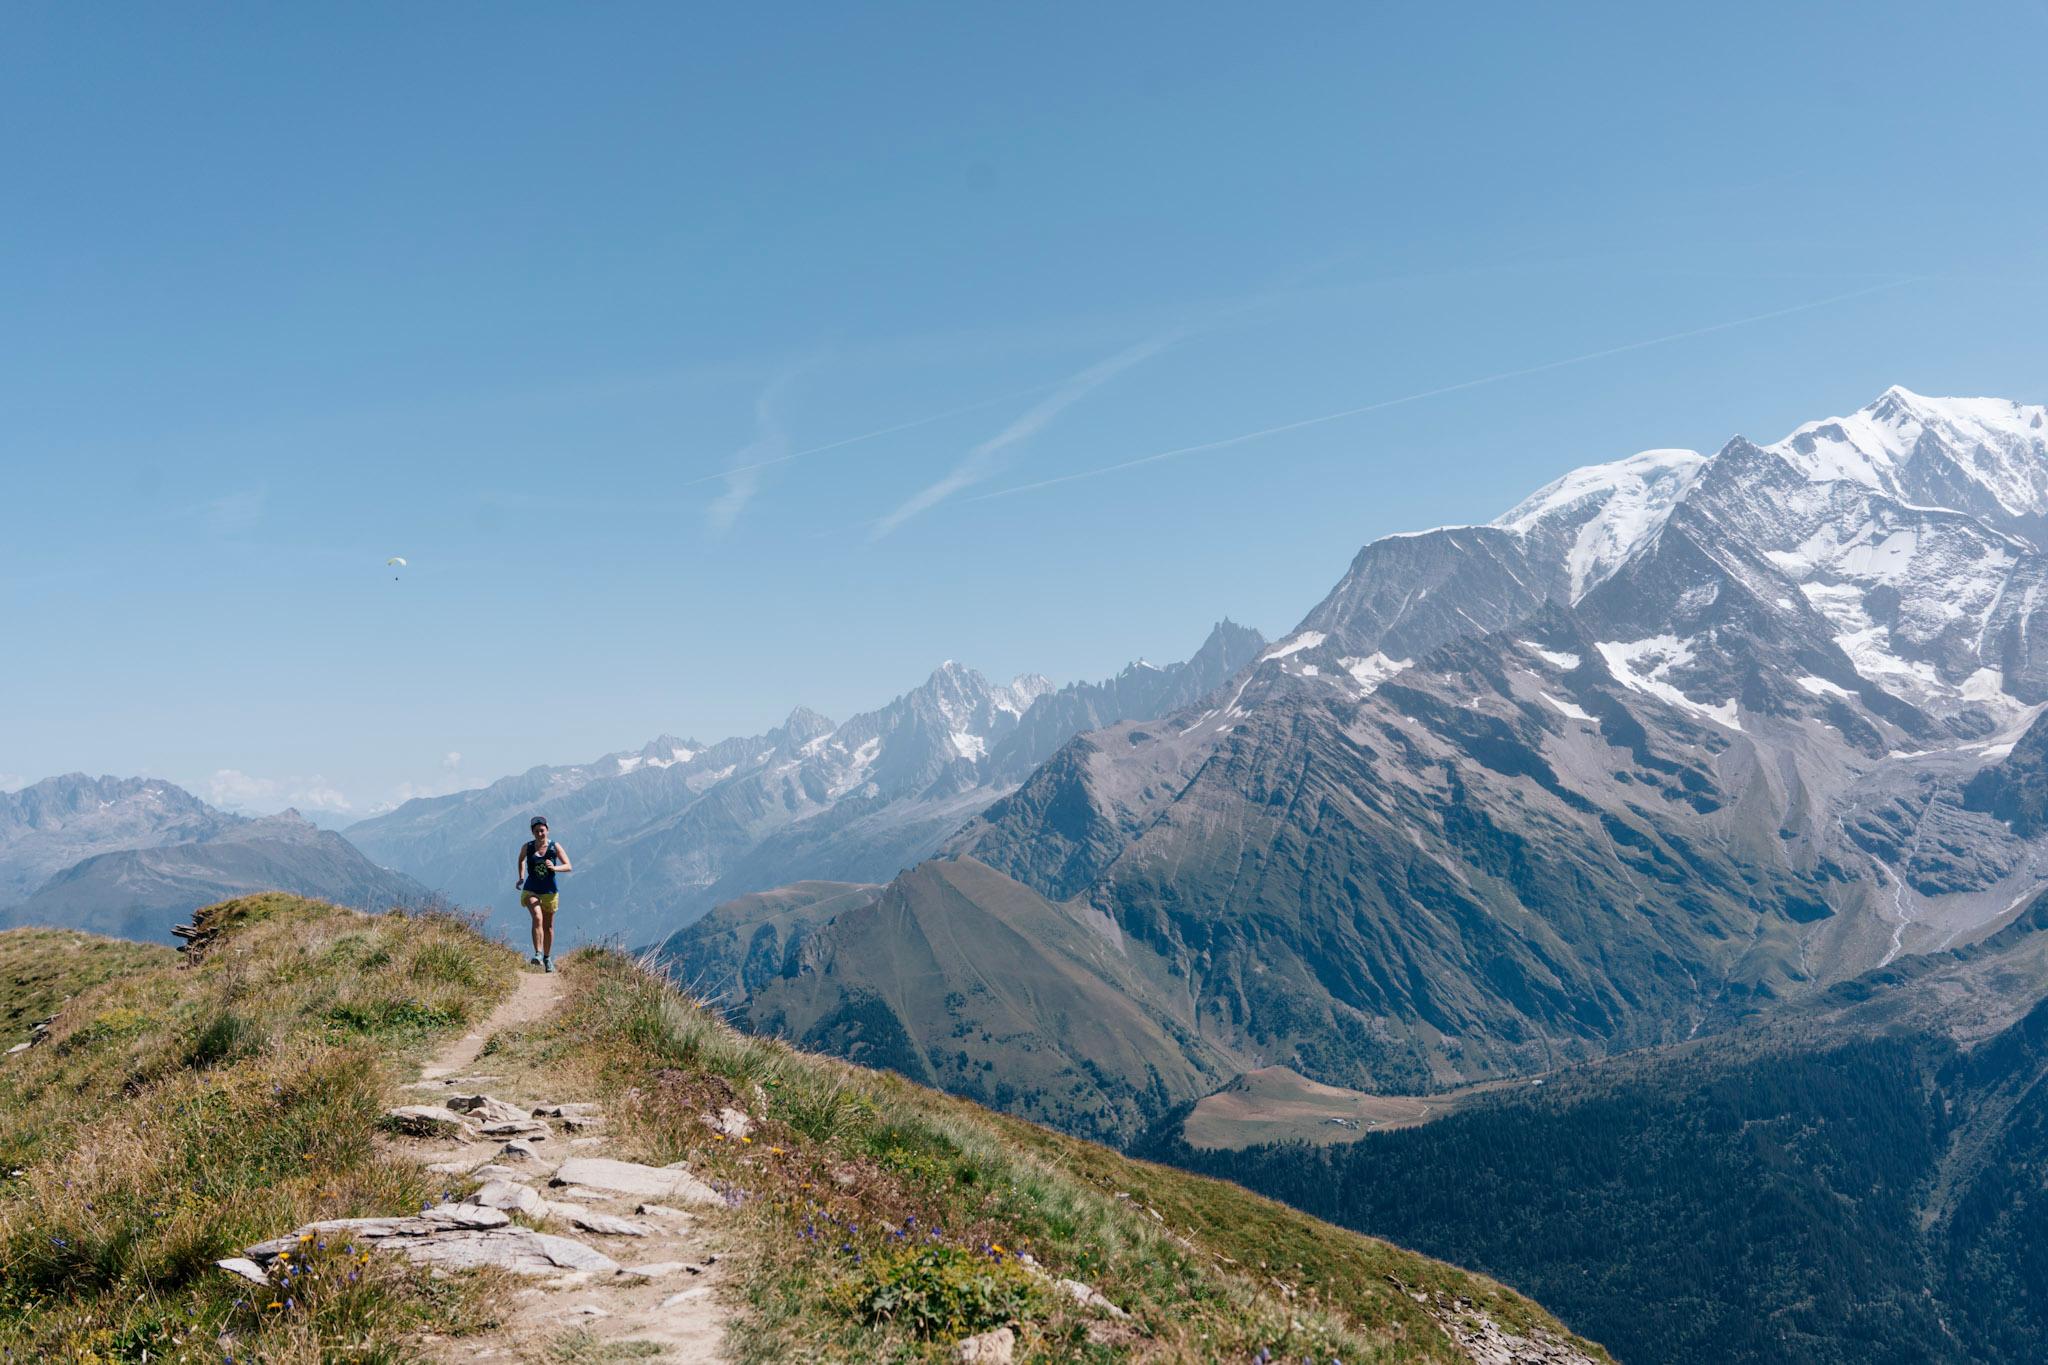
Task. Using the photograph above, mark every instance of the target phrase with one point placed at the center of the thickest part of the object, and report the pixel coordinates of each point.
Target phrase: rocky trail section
(618, 1253)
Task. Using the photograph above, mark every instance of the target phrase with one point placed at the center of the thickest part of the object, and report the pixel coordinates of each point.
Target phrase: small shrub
(939, 1291)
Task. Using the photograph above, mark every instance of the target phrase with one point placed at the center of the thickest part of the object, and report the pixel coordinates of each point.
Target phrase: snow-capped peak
(1607, 510)
(1917, 448)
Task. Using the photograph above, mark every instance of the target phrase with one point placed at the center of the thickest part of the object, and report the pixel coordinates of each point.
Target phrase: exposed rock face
(2015, 789)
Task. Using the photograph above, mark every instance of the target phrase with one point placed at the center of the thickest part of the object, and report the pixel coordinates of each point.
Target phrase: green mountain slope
(957, 976)
(1865, 1181)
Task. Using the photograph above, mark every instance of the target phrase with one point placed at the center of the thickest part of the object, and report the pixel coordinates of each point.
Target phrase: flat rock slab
(591, 1220)
(533, 1130)
(562, 1111)
(440, 1218)
(518, 1149)
(453, 1237)
(246, 1268)
(521, 1250)
(630, 1177)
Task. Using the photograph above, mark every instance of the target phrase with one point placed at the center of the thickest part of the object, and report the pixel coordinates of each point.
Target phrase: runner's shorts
(547, 899)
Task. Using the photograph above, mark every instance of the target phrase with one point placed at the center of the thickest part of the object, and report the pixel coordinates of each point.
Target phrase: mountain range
(131, 857)
(1676, 741)
(662, 834)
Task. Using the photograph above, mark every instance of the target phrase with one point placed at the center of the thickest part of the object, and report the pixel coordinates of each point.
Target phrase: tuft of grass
(224, 1037)
(179, 1113)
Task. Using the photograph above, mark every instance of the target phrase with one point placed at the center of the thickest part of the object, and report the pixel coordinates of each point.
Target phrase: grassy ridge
(176, 1114)
(879, 1220)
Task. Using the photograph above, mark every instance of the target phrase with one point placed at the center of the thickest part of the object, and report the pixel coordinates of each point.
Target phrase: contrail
(1447, 388)
(978, 463)
(873, 435)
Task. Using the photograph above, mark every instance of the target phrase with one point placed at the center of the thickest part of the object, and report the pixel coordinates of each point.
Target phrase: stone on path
(661, 1211)
(988, 1348)
(507, 1194)
(246, 1268)
(586, 1142)
(455, 1237)
(630, 1177)
(428, 1120)
(590, 1220)
(562, 1111)
(488, 1109)
(530, 1129)
(660, 1270)
(702, 1291)
(518, 1149)
(493, 1171)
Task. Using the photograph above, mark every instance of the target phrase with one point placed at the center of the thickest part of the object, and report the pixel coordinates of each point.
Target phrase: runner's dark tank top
(540, 874)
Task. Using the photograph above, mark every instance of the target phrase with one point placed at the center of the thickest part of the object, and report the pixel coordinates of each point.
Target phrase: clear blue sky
(285, 290)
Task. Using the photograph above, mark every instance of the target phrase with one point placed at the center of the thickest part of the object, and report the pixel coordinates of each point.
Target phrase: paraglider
(395, 562)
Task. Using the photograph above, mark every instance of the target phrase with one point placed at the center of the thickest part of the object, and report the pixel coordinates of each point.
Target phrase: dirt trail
(664, 1298)
(534, 996)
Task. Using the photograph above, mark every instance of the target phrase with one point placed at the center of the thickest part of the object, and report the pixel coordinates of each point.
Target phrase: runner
(539, 861)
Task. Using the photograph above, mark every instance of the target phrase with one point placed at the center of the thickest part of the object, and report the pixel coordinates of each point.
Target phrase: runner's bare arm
(563, 864)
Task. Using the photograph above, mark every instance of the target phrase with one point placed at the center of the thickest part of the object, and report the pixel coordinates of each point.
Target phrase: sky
(707, 361)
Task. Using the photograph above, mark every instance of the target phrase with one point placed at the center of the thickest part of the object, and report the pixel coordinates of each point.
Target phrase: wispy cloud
(239, 791)
(1438, 392)
(984, 459)
(877, 434)
(743, 477)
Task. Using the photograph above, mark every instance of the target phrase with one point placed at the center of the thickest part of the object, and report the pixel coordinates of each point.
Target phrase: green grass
(42, 968)
(873, 1219)
(178, 1113)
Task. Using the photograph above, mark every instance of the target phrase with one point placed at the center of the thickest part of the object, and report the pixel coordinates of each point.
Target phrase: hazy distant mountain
(661, 835)
(46, 827)
(140, 892)
(1677, 740)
